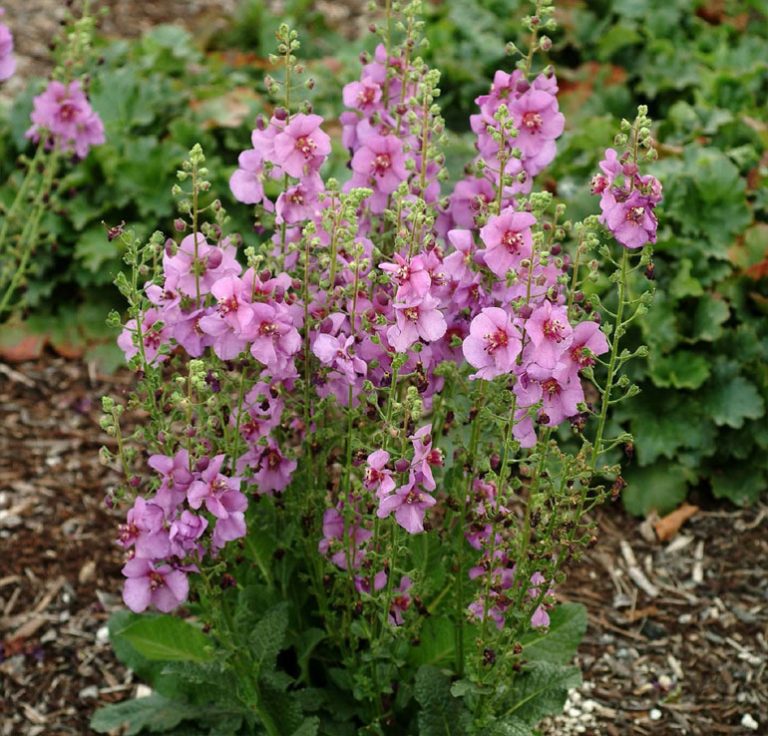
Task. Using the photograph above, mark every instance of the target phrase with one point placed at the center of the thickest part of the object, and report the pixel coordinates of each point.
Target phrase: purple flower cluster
(476, 285)
(627, 200)
(166, 535)
(7, 60)
(63, 117)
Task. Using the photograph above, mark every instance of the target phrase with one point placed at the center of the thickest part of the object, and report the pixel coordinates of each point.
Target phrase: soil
(677, 632)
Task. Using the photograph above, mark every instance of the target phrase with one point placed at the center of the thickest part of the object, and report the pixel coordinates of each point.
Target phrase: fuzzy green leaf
(568, 624)
(153, 713)
(660, 487)
(541, 691)
(441, 713)
(732, 400)
(168, 639)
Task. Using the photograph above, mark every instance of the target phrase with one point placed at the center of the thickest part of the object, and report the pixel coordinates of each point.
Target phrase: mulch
(677, 638)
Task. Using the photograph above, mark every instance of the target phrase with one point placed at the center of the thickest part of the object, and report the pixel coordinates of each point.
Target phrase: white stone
(748, 722)
(655, 714)
(102, 635)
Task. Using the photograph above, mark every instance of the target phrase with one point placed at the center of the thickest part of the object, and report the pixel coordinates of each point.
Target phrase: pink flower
(377, 477)
(272, 470)
(561, 393)
(470, 198)
(246, 183)
(152, 337)
(409, 504)
(493, 344)
(539, 123)
(412, 278)
(63, 114)
(302, 146)
(176, 479)
(631, 220)
(184, 533)
(508, 240)
(550, 333)
(220, 494)
(299, 202)
(425, 456)
(335, 351)
(588, 341)
(7, 61)
(274, 339)
(401, 602)
(231, 317)
(416, 318)
(162, 587)
(144, 530)
(187, 271)
(381, 162)
(364, 95)
(334, 537)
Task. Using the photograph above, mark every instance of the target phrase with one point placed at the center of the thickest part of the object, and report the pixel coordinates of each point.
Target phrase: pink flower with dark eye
(189, 270)
(364, 95)
(377, 476)
(417, 318)
(550, 333)
(245, 183)
(401, 602)
(220, 494)
(64, 115)
(409, 503)
(425, 456)
(470, 198)
(334, 537)
(538, 119)
(561, 393)
(508, 240)
(229, 320)
(163, 587)
(630, 219)
(380, 162)
(144, 529)
(7, 62)
(299, 202)
(302, 146)
(153, 337)
(272, 470)
(336, 351)
(412, 278)
(274, 339)
(588, 341)
(493, 344)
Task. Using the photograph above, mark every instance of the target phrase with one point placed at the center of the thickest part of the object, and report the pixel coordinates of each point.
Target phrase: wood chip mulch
(677, 641)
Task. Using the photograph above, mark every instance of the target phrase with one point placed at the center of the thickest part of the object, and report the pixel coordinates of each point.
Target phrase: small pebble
(573, 712)
(748, 722)
(89, 692)
(102, 635)
(665, 682)
(143, 691)
(655, 714)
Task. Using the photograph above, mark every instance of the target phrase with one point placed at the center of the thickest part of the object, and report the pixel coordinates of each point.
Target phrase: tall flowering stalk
(63, 125)
(363, 414)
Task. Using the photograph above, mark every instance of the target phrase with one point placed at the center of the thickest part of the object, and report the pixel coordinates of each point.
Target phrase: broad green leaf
(568, 624)
(168, 639)
(268, 637)
(440, 713)
(681, 369)
(308, 728)
(153, 713)
(741, 484)
(437, 642)
(732, 400)
(660, 487)
(711, 314)
(541, 691)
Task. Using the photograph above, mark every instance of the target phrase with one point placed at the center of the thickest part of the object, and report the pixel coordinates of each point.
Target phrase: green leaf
(308, 728)
(541, 691)
(93, 250)
(711, 313)
(440, 713)
(683, 284)
(660, 487)
(568, 624)
(740, 484)
(168, 639)
(437, 642)
(681, 369)
(268, 636)
(510, 726)
(153, 713)
(732, 400)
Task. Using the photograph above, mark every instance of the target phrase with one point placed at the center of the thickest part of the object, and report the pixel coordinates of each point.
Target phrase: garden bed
(687, 655)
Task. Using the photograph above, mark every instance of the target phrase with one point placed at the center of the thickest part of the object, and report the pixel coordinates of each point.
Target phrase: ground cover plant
(349, 469)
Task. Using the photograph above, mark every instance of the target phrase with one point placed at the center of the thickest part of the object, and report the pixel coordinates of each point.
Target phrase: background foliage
(700, 65)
